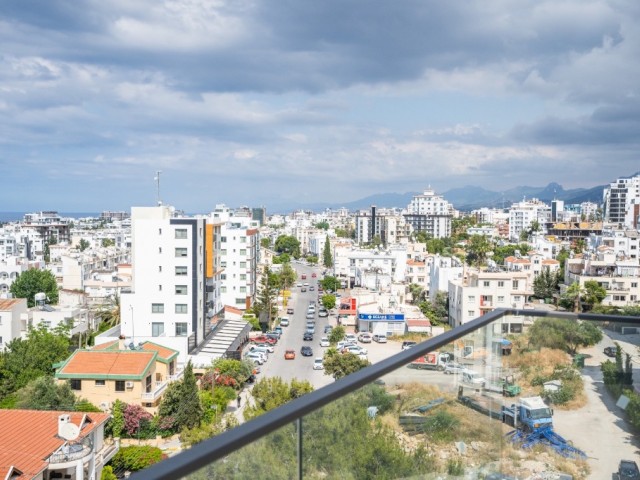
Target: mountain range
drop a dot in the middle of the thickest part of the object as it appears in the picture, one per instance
(474, 197)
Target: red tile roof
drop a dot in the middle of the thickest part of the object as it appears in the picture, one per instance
(106, 346)
(8, 304)
(164, 353)
(90, 363)
(29, 437)
(418, 322)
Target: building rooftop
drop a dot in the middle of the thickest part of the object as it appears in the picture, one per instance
(107, 364)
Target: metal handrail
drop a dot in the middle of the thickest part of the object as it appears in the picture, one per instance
(217, 447)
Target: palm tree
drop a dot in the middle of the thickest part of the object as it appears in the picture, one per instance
(110, 313)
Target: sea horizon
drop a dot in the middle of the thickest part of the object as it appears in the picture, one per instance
(17, 216)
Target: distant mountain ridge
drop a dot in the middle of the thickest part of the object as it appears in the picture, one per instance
(473, 197)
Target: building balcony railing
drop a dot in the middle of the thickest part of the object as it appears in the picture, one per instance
(72, 451)
(403, 417)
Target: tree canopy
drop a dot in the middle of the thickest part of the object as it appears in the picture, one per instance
(563, 334)
(330, 283)
(339, 365)
(35, 281)
(545, 285)
(272, 392)
(288, 244)
(327, 258)
(43, 393)
(477, 249)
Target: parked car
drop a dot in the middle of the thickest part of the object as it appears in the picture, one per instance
(278, 330)
(610, 351)
(628, 470)
(289, 354)
(380, 338)
(273, 335)
(356, 349)
(406, 345)
(266, 347)
(328, 328)
(310, 315)
(290, 311)
(284, 322)
(324, 342)
(313, 275)
(351, 337)
(256, 357)
(364, 337)
(317, 363)
(323, 314)
(303, 289)
(311, 328)
(307, 336)
(452, 368)
(341, 345)
(306, 351)
(264, 338)
(312, 288)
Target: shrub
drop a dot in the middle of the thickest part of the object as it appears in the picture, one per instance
(134, 458)
(441, 426)
(107, 473)
(134, 416)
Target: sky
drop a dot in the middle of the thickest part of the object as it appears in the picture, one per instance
(294, 102)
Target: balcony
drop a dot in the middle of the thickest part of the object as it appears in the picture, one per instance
(70, 452)
(161, 387)
(423, 423)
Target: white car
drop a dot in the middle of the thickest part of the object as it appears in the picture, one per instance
(284, 322)
(350, 337)
(256, 357)
(324, 342)
(266, 349)
(364, 337)
(359, 349)
(380, 338)
(317, 363)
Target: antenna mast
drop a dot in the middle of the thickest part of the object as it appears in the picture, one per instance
(157, 179)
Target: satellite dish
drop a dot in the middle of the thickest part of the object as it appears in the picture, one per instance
(69, 431)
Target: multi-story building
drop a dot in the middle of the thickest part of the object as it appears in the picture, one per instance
(10, 269)
(11, 327)
(49, 226)
(239, 258)
(430, 213)
(170, 298)
(443, 270)
(481, 291)
(386, 224)
(523, 214)
(622, 202)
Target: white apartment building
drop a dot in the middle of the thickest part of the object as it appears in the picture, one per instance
(620, 276)
(239, 257)
(430, 213)
(523, 214)
(622, 202)
(387, 224)
(10, 269)
(173, 265)
(8, 246)
(11, 311)
(317, 242)
(493, 216)
(443, 270)
(481, 291)
(624, 243)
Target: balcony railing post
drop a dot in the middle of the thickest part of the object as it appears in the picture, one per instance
(299, 453)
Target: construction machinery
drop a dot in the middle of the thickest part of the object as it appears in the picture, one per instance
(533, 423)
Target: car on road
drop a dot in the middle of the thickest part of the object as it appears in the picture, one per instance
(306, 351)
(256, 357)
(305, 284)
(284, 322)
(317, 363)
(278, 330)
(313, 275)
(311, 316)
(406, 345)
(610, 351)
(289, 354)
(311, 328)
(307, 337)
(264, 338)
(303, 276)
(453, 368)
(328, 328)
(364, 337)
(303, 289)
(324, 342)
(312, 288)
(628, 470)
(380, 338)
(298, 285)
(290, 311)
(266, 350)
(323, 314)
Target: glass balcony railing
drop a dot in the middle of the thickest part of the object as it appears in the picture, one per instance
(475, 402)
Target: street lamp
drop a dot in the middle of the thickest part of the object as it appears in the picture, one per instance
(133, 331)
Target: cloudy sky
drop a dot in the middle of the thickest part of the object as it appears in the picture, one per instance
(290, 102)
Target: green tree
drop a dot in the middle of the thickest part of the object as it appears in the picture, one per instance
(267, 295)
(563, 334)
(108, 242)
(437, 312)
(330, 284)
(345, 233)
(545, 285)
(327, 258)
(571, 299)
(477, 249)
(328, 301)
(500, 253)
(109, 313)
(136, 457)
(43, 393)
(288, 244)
(336, 334)
(272, 392)
(594, 293)
(417, 293)
(239, 370)
(83, 245)
(35, 281)
(189, 412)
(438, 245)
(323, 225)
(265, 242)
(26, 359)
(562, 257)
(282, 258)
(339, 365)
(288, 276)
(116, 424)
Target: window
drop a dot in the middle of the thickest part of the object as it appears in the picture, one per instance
(500, 284)
(181, 233)
(223, 251)
(159, 231)
(486, 283)
(76, 384)
(243, 264)
(243, 276)
(181, 329)
(157, 329)
(223, 239)
(181, 308)
(633, 285)
(159, 249)
(181, 289)
(241, 301)
(514, 284)
(243, 251)
(181, 252)
(472, 298)
(181, 270)
(223, 289)
(471, 313)
(100, 383)
(159, 268)
(243, 239)
(147, 387)
(159, 288)
(516, 298)
(243, 289)
(119, 385)
(157, 308)
(500, 299)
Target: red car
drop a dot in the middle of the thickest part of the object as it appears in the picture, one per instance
(264, 339)
(313, 275)
(303, 276)
(289, 354)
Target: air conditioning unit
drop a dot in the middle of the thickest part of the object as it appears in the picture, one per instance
(129, 384)
(105, 406)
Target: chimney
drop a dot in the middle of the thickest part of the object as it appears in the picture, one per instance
(63, 420)
(121, 342)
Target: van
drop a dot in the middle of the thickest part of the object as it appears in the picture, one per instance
(473, 378)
